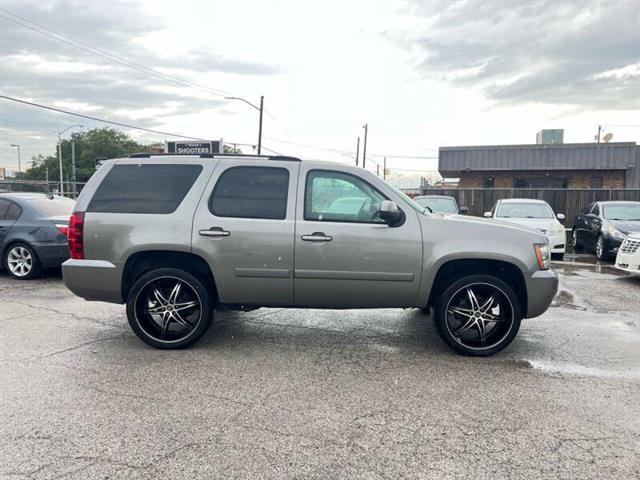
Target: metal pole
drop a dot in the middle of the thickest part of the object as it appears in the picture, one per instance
(260, 127)
(599, 130)
(60, 161)
(384, 169)
(357, 151)
(378, 170)
(73, 166)
(364, 149)
(19, 168)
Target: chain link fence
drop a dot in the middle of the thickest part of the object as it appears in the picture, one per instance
(69, 189)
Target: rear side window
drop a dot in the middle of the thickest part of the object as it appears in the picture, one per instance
(251, 192)
(4, 206)
(13, 212)
(156, 189)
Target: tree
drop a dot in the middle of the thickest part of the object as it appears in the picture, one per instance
(89, 146)
(231, 149)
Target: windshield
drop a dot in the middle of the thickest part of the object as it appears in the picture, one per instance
(437, 204)
(57, 207)
(622, 211)
(412, 203)
(524, 210)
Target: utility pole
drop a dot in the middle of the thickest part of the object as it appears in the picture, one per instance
(378, 170)
(364, 149)
(60, 162)
(384, 169)
(73, 165)
(357, 151)
(599, 130)
(260, 127)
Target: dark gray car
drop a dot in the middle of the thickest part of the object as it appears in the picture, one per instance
(175, 237)
(33, 232)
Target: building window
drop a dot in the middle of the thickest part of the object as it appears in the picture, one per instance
(596, 182)
(521, 183)
(489, 182)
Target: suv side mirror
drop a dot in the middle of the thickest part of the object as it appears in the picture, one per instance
(390, 213)
(487, 214)
(464, 210)
(560, 216)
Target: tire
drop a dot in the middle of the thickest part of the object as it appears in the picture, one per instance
(575, 241)
(169, 308)
(601, 252)
(21, 262)
(557, 256)
(461, 318)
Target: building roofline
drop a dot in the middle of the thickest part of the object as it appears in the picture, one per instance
(538, 145)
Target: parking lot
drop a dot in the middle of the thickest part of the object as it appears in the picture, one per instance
(321, 394)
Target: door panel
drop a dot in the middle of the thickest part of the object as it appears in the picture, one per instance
(357, 263)
(251, 258)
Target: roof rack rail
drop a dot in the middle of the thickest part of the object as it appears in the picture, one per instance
(211, 155)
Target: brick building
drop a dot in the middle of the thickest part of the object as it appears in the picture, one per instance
(569, 165)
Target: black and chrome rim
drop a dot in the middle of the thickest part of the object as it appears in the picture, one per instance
(168, 309)
(19, 261)
(479, 316)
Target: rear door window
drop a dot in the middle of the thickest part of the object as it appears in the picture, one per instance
(13, 212)
(4, 206)
(154, 189)
(251, 192)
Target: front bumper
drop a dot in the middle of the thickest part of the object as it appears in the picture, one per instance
(628, 262)
(557, 243)
(542, 287)
(93, 279)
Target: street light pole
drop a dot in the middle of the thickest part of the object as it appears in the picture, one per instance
(60, 153)
(259, 109)
(364, 149)
(357, 151)
(15, 145)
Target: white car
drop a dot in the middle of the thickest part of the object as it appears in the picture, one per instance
(536, 214)
(628, 258)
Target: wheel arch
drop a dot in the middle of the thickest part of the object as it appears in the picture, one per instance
(452, 270)
(142, 262)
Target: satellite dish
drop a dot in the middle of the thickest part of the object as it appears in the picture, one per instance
(607, 138)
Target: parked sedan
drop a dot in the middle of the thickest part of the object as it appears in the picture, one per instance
(442, 204)
(33, 232)
(536, 214)
(602, 226)
(628, 258)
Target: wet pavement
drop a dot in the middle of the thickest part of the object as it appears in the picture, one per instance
(321, 394)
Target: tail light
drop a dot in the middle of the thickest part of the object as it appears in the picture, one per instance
(64, 229)
(75, 234)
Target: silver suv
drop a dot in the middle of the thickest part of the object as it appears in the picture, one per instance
(175, 237)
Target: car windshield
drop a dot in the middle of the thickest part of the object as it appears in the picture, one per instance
(621, 211)
(56, 207)
(437, 204)
(524, 210)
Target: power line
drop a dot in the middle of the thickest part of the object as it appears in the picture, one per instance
(88, 117)
(87, 47)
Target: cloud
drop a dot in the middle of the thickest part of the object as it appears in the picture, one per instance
(538, 51)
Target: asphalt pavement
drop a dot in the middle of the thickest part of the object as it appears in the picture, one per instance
(321, 394)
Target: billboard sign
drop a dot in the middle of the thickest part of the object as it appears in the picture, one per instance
(193, 148)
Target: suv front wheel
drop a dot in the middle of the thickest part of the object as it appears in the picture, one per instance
(478, 315)
(169, 308)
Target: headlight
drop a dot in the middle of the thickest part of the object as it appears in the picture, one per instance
(542, 254)
(557, 229)
(614, 232)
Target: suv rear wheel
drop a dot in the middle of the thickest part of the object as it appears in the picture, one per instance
(478, 315)
(169, 308)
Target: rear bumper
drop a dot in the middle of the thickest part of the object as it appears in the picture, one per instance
(93, 279)
(542, 287)
(51, 255)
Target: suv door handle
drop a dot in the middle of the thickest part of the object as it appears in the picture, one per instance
(317, 237)
(214, 232)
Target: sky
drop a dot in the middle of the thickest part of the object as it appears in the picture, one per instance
(421, 74)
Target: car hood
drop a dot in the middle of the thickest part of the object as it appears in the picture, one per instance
(625, 226)
(543, 224)
(473, 222)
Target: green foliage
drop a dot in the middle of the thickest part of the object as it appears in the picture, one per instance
(89, 146)
(231, 149)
